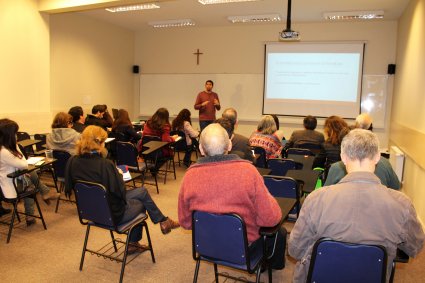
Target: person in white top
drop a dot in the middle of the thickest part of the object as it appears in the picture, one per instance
(11, 160)
(183, 123)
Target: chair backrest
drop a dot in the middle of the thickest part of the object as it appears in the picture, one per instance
(59, 165)
(93, 204)
(300, 151)
(279, 167)
(219, 237)
(261, 160)
(20, 136)
(334, 261)
(42, 138)
(285, 187)
(126, 154)
(314, 147)
(180, 145)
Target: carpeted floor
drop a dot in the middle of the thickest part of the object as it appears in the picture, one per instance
(53, 255)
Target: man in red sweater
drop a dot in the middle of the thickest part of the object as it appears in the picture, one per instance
(224, 183)
(207, 103)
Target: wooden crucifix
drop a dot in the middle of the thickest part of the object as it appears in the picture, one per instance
(197, 53)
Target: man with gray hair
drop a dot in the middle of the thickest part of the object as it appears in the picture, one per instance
(383, 168)
(239, 142)
(359, 209)
(224, 183)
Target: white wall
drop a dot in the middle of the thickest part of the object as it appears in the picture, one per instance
(240, 49)
(408, 116)
(91, 63)
(25, 64)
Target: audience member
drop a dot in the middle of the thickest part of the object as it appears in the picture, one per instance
(183, 123)
(383, 169)
(307, 136)
(359, 209)
(223, 183)
(89, 165)
(78, 118)
(228, 126)
(265, 137)
(159, 126)
(11, 160)
(122, 126)
(207, 103)
(239, 143)
(335, 129)
(63, 137)
(278, 133)
(100, 117)
(364, 121)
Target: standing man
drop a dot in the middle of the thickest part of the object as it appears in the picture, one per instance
(359, 209)
(207, 103)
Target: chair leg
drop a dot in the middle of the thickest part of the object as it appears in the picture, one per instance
(59, 198)
(14, 213)
(392, 273)
(269, 269)
(215, 273)
(85, 247)
(113, 240)
(124, 260)
(174, 170)
(195, 276)
(149, 240)
(257, 280)
(167, 165)
(39, 212)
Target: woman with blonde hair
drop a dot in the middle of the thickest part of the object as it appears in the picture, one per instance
(266, 136)
(89, 165)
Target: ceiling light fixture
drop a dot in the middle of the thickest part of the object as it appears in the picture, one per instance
(354, 15)
(209, 2)
(254, 18)
(172, 23)
(146, 6)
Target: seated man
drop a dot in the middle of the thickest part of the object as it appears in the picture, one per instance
(239, 142)
(224, 183)
(99, 117)
(78, 119)
(308, 135)
(359, 209)
(228, 126)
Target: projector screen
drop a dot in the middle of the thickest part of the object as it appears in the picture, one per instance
(319, 79)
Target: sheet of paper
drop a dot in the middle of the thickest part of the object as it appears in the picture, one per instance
(34, 159)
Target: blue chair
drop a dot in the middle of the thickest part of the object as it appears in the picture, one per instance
(126, 154)
(94, 210)
(334, 261)
(261, 160)
(222, 240)
(285, 187)
(59, 167)
(279, 166)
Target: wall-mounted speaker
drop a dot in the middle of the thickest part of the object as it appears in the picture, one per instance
(391, 69)
(135, 69)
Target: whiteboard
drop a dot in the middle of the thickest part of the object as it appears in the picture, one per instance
(244, 92)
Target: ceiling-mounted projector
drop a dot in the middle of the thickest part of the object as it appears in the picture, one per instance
(289, 35)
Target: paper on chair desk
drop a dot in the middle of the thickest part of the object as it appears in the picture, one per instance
(178, 138)
(33, 160)
(109, 140)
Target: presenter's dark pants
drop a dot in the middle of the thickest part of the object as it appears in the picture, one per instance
(278, 259)
(204, 124)
(138, 201)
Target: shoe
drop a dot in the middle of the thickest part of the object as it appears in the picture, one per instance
(30, 220)
(4, 211)
(50, 196)
(136, 248)
(168, 225)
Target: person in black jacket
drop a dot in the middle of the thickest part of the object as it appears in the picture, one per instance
(100, 117)
(89, 165)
